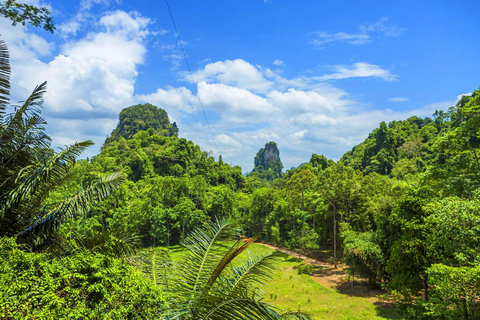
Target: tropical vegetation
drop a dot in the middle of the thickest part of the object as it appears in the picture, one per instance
(91, 238)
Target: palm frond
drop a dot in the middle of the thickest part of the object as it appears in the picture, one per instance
(155, 264)
(205, 249)
(249, 275)
(13, 123)
(76, 205)
(43, 179)
(114, 242)
(4, 78)
(247, 309)
(236, 249)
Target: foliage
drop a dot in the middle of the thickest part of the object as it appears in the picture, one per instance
(406, 200)
(364, 256)
(79, 286)
(453, 235)
(455, 292)
(409, 260)
(23, 13)
(143, 117)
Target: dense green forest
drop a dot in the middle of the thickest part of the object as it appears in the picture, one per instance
(85, 238)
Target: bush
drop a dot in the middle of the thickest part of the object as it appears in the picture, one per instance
(305, 269)
(80, 286)
(364, 256)
(455, 292)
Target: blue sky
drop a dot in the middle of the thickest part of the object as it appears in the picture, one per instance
(314, 76)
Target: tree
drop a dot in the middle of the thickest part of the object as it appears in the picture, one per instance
(462, 143)
(298, 184)
(453, 245)
(319, 162)
(23, 13)
(335, 185)
(409, 258)
(212, 282)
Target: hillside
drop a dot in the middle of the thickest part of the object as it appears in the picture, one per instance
(142, 117)
(439, 151)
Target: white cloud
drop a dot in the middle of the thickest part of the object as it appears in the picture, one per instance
(226, 141)
(172, 100)
(324, 38)
(363, 36)
(382, 27)
(235, 104)
(83, 17)
(359, 70)
(89, 81)
(398, 99)
(278, 62)
(69, 28)
(238, 73)
(129, 25)
(299, 134)
(294, 101)
(92, 78)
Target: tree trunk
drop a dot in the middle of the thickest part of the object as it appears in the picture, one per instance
(334, 237)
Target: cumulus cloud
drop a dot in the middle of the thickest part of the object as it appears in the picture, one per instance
(295, 101)
(238, 73)
(382, 27)
(226, 141)
(90, 80)
(172, 100)
(235, 104)
(82, 18)
(129, 25)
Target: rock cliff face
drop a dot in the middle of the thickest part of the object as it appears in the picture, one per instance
(267, 162)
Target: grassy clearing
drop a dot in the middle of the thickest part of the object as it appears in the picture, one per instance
(290, 290)
(299, 292)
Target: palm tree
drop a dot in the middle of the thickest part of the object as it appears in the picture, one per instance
(30, 170)
(210, 283)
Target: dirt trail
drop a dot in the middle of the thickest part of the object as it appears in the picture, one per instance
(294, 254)
(326, 274)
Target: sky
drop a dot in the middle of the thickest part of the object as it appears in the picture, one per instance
(313, 76)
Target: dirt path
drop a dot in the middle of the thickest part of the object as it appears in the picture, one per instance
(304, 258)
(325, 273)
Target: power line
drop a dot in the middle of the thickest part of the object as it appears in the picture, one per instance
(191, 75)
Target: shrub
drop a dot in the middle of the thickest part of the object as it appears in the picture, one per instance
(80, 286)
(363, 256)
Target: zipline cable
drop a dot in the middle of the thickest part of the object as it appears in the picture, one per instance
(191, 75)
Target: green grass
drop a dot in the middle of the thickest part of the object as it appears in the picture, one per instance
(290, 290)
(299, 292)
